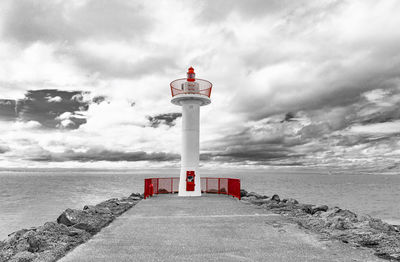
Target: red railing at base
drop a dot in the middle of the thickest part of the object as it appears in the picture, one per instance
(212, 185)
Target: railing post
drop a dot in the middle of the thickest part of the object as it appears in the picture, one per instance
(206, 184)
(172, 187)
(219, 185)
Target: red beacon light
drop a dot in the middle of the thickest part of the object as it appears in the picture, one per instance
(191, 75)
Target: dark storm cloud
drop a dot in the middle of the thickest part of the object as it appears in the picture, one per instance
(29, 21)
(165, 119)
(105, 155)
(261, 144)
(7, 110)
(47, 105)
(301, 136)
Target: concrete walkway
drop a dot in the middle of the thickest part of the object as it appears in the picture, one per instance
(208, 228)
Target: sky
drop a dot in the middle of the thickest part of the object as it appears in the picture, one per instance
(295, 83)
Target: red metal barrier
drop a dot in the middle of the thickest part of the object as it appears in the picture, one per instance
(212, 185)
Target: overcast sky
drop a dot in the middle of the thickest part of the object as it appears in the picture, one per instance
(296, 83)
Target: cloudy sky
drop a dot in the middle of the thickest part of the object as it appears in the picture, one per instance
(296, 83)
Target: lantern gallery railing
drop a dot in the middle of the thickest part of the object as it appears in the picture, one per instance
(212, 185)
(198, 87)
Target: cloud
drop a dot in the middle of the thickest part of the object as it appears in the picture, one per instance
(55, 99)
(294, 82)
(52, 108)
(166, 119)
(7, 109)
(30, 21)
(101, 154)
(4, 149)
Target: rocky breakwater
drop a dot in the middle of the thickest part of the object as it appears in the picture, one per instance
(73, 227)
(335, 223)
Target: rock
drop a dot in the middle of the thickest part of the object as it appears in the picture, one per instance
(292, 201)
(134, 198)
(258, 196)
(90, 220)
(23, 256)
(117, 207)
(275, 198)
(31, 245)
(322, 208)
(34, 243)
(338, 224)
(249, 198)
(306, 208)
(243, 193)
(259, 202)
(377, 224)
(136, 195)
(69, 217)
(51, 241)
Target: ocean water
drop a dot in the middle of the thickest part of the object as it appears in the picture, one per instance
(31, 197)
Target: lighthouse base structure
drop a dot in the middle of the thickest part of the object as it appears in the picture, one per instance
(182, 183)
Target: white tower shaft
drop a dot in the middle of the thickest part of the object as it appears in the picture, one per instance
(190, 146)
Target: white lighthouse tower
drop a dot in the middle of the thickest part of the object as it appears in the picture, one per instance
(190, 93)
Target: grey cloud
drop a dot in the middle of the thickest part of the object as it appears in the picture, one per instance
(37, 107)
(29, 21)
(302, 137)
(166, 119)
(101, 154)
(4, 149)
(99, 99)
(8, 110)
(219, 10)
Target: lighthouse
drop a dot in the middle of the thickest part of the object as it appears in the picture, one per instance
(190, 93)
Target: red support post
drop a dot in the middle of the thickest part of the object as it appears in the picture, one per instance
(158, 180)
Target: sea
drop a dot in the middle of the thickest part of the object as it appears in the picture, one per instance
(30, 197)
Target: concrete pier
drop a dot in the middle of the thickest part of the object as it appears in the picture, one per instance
(208, 228)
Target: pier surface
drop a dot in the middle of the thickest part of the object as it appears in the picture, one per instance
(208, 228)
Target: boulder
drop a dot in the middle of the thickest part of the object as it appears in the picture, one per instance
(253, 194)
(292, 201)
(116, 206)
(275, 198)
(136, 195)
(52, 239)
(243, 193)
(248, 198)
(322, 208)
(306, 208)
(89, 220)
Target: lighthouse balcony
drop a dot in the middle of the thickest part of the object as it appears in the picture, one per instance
(198, 87)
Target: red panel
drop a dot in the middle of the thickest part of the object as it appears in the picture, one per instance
(190, 180)
(223, 185)
(229, 186)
